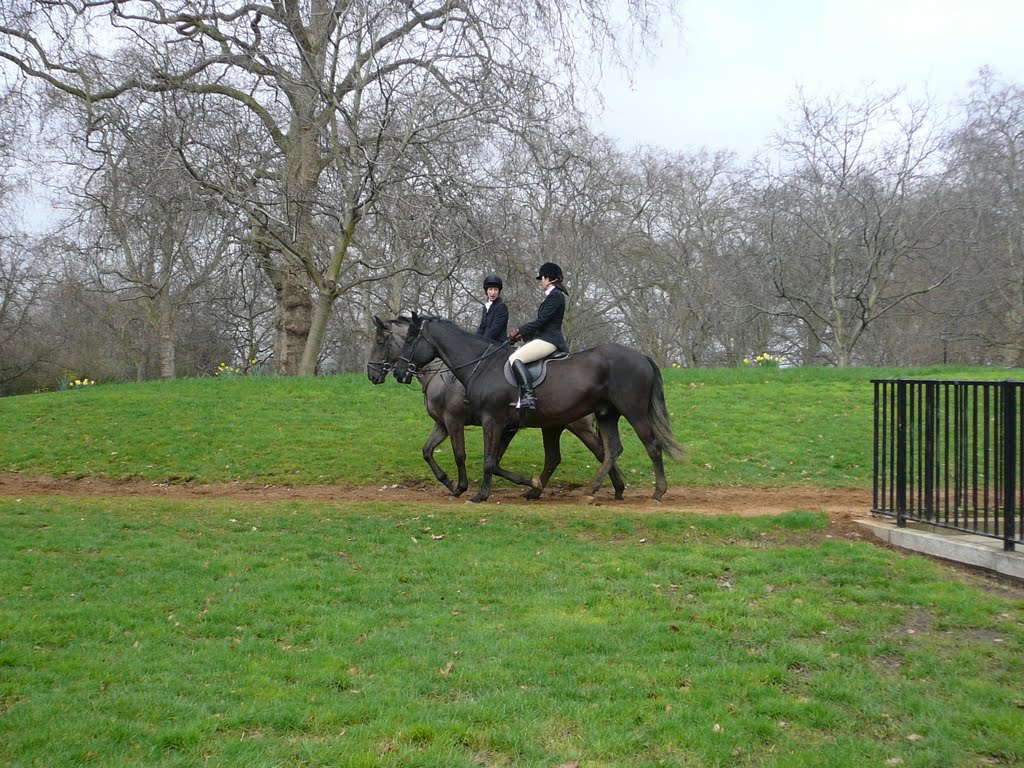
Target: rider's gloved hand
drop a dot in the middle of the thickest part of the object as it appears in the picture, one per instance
(514, 337)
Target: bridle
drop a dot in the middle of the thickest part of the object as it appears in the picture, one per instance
(383, 365)
(407, 359)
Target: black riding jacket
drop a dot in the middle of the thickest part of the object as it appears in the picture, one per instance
(548, 325)
(494, 321)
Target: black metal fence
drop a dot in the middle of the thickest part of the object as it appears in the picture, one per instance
(948, 453)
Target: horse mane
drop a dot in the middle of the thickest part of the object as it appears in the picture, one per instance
(455, 326)
(473, 344)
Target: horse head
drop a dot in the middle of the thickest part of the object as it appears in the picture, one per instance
(388, 338)
(417, 351)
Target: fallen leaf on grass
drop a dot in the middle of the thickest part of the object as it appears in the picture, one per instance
(447, 668)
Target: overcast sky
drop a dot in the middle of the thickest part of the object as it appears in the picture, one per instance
(725, 80)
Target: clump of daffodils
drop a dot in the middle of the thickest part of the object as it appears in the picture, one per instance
(764, 360)
(224, 370)
(71, 380)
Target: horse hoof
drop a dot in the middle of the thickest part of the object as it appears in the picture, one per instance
(477, 499)
(532, 494)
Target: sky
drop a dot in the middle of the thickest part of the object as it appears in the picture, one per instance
(727, 78)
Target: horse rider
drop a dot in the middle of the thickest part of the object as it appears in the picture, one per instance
(543, 335)
(494, 320)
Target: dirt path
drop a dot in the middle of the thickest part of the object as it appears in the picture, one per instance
(842, 504)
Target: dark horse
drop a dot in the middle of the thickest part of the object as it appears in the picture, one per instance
(445, 400)
(609, 380)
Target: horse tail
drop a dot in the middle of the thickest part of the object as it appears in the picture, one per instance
(658, 413)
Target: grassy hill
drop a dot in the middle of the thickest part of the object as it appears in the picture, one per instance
(140, 631)
(742, 426)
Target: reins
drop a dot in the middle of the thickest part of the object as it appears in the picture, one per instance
(491, 350)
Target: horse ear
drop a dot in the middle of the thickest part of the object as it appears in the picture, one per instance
(379, 323)
(415, 318)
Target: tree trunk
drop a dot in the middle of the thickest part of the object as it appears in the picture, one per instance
(315, 338)
(293, 307)
(293, 310)
(325, 301)
(165, 314)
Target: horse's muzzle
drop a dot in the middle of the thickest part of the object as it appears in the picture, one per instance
(377, 372)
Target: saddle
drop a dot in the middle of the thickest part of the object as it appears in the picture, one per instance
(538, 369)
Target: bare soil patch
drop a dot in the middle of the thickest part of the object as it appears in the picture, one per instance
(842, 504)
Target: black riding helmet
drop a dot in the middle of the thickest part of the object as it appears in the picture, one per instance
(551, 271)
(493, 281)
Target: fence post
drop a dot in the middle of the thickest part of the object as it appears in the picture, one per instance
(901, 453)
(930, 416)
(1009, 464)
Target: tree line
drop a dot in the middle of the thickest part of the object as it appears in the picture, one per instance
(244, 187)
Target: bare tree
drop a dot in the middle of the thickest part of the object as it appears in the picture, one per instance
(677, 280)
(340, 92)
(843, 238)
(987, 167)
(22, 345)
(152, 235)
(241, 304)
(22, 279)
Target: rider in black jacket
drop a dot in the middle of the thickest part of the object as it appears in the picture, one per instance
(494, 320)
(543, 335)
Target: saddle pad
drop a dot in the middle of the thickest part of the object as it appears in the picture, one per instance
(538, 369)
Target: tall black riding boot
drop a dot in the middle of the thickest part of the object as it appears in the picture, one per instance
(526, 399)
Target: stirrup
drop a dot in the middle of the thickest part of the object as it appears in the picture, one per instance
(526, 403)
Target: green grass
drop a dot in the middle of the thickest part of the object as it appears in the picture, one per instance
(140, 632)
(740, 426)
(151, 632)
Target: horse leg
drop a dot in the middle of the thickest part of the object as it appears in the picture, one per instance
(582, 429)
(457, 433)
(437, 436)
(552, 458)
(512, 477)
(608, 424)
(492, 429)
(645, 432)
